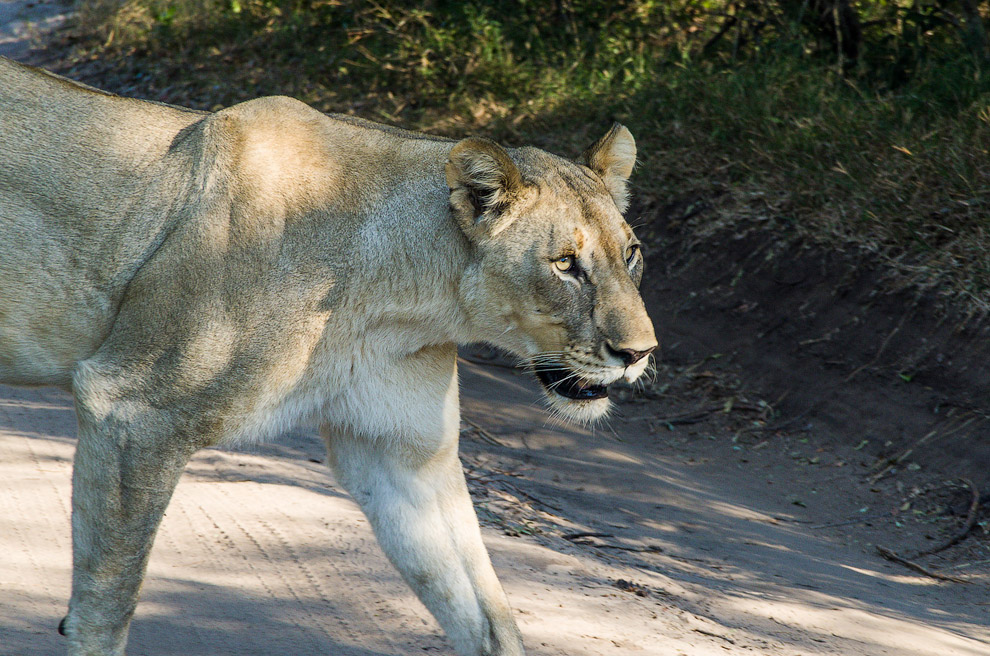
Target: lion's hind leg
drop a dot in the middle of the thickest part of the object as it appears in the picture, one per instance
(128, 460)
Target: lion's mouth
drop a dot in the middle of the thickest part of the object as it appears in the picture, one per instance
(570, 385)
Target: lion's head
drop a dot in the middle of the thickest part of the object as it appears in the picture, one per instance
(556, 270)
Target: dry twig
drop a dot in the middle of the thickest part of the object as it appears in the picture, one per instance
(482, 433)
(862, 519)
(696, 416)
(974, 508)
(586, 534)
(582, 539)
(883, 347)
(890, 555)
(894, 462)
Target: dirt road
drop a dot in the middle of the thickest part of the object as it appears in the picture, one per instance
(260, 552)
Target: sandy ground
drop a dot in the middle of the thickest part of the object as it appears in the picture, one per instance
(261, 553)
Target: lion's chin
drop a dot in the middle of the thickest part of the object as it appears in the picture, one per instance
(583, 412)
(573, 396)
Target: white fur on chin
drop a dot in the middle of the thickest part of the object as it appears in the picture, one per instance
(583, 412)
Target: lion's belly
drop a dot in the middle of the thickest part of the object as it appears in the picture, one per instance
(51, 314)
(44, 333)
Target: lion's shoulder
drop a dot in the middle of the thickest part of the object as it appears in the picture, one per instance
(278, 154)
(269, 155)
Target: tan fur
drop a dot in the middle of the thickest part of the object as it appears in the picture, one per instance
(612, 157)
(196, 278)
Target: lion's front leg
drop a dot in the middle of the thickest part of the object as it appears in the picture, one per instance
(425, 523)
(412, 489)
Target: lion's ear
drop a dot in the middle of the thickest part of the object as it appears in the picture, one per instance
(612, 157)
(483, 184)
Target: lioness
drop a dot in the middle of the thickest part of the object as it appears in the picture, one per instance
(196, 278)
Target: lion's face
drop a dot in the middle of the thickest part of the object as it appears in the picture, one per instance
(556, 269)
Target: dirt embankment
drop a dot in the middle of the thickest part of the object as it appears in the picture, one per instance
(832, 340)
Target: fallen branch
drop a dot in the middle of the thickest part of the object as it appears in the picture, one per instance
(540, 502)
(883, 347)
(482, 433)
(650, 548)
(974, 508)
(715, 635)
(687, 417)
(890, 555)
(701, 414)
(582, 539)
(858, 520)
(586, 534)
(896, 461)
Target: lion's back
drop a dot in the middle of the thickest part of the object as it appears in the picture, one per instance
(98, 193)
(74, 161)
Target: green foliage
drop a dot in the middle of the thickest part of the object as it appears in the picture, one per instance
(866, 121)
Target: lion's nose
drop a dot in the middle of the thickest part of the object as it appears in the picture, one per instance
(627, 355)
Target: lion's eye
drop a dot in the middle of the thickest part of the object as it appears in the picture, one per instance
(631, 253)
(565, 264)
